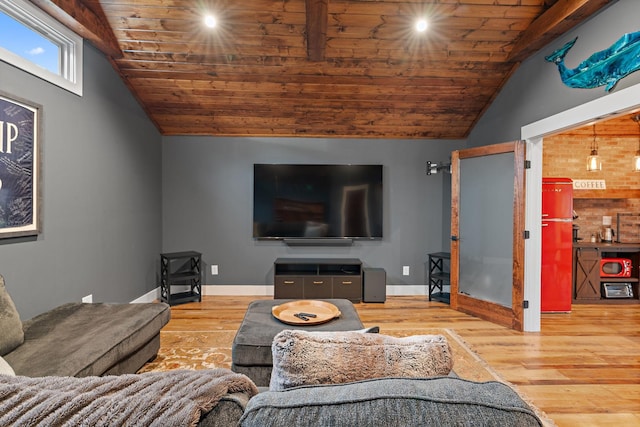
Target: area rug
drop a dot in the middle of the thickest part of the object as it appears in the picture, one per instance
(192, 350)
(209, 350)
(212, 349)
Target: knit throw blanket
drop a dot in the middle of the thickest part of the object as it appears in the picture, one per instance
(173, 398)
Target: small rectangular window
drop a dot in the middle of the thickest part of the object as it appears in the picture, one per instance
(29, 44)
(38, 44)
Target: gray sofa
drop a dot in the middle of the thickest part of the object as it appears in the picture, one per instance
(351, 378)
(79, 339)
(401, 402)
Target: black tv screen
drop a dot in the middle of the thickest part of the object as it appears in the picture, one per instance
(317, 201)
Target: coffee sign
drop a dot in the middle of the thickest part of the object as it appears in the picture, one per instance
(589, 184)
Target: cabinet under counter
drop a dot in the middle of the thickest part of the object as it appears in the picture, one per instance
(588, 283)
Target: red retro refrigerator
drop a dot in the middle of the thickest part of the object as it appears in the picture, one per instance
(557, 245)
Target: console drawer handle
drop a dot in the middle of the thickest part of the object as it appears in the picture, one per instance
(347, 283)
(289, 282)
(318, 282)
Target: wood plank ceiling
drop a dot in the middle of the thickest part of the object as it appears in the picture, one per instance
(321, 68)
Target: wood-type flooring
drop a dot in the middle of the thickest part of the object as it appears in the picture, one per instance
(582, 369)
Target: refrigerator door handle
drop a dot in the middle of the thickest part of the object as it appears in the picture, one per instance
(545, 224)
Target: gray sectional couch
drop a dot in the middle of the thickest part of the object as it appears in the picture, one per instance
(78, 339)
(351, 378)
(89, 340)
(401, 402)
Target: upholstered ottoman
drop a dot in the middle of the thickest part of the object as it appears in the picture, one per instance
(251, 349)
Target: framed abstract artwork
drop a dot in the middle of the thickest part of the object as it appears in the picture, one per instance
(20, 157)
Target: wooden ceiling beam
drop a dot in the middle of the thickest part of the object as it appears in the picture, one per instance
(558, 19)
(76, 16)
(317, 12)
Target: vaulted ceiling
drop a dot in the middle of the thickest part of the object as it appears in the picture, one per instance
(325, 68)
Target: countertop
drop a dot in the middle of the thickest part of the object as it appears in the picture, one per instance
(631, 247)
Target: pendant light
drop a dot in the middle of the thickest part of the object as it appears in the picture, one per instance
(636, 158)
(593, 161)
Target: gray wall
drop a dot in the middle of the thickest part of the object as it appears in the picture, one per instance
(535, 91)
(101, 194)
(208, 197)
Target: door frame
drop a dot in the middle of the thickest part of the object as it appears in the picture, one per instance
(511, 317)
(620, 102)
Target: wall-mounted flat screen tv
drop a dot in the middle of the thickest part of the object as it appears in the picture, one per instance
(317, 201)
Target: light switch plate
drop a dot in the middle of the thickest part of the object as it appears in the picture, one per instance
(405, 270)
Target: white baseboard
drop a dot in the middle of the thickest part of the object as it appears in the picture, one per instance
(406, 290)
(150, 296)
(267, 290)
(257, 290)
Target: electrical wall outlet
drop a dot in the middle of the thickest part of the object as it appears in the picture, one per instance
(214, 270)
(88, 298)
(405, 270)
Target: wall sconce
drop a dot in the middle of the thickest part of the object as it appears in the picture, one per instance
(593, 160)
(435, 167)
(636, 158)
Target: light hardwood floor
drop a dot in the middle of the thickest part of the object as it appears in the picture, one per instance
(582, 369)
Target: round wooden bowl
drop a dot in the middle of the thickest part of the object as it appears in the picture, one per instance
(323, 310)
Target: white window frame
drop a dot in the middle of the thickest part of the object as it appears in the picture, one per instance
(70, 44)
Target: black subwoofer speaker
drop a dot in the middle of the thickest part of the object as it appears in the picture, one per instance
(374, 282)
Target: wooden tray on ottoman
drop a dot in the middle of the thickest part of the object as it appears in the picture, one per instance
(323, 311)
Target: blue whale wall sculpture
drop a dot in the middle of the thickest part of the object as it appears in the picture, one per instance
(604, 68)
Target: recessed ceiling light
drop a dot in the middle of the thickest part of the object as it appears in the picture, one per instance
(422, 25)
(210, 21)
